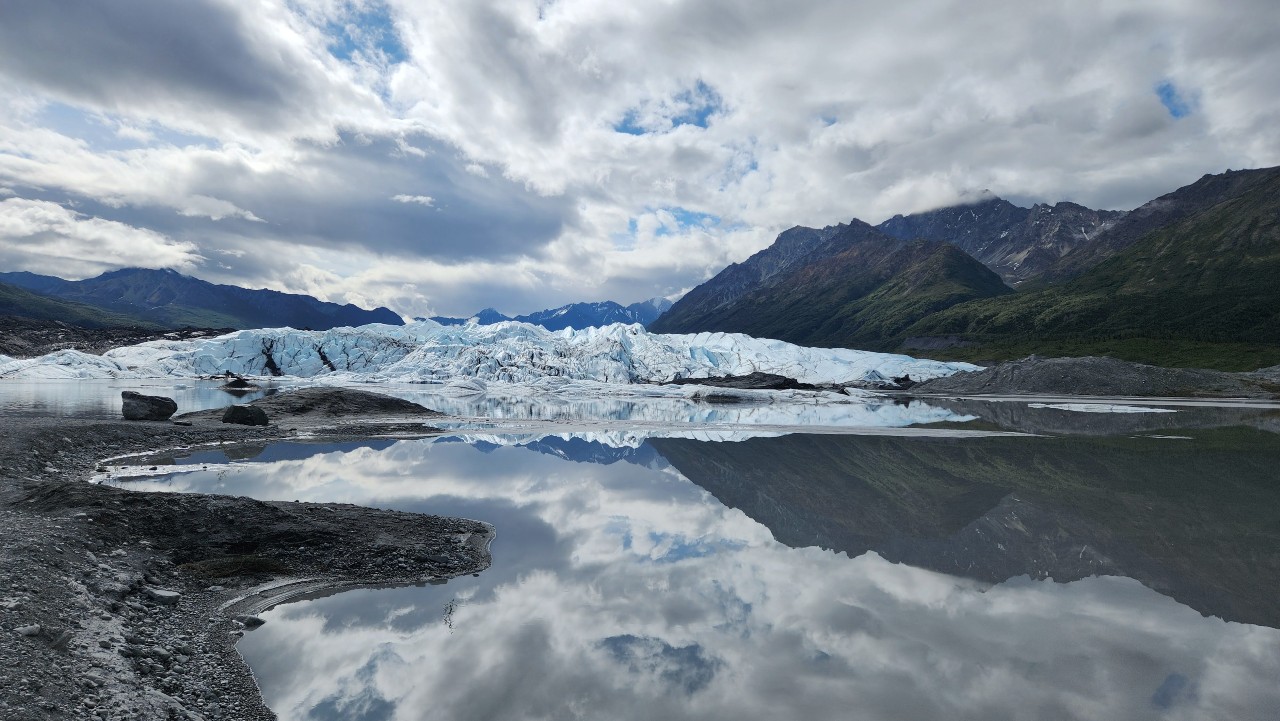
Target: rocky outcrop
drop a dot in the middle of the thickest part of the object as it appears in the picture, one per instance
(245, 416)
(137, 407)
(753, 381)
(1018, 243)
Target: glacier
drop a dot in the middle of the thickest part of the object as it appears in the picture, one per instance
(470, 357)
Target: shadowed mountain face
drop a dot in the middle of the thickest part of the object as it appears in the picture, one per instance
(170, 299)
(853, 286)
(1018, 243)
(20, 302)
(1195, 521)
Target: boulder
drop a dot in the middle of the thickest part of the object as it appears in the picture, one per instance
(162, 596)
(137, 407)
(245, 415)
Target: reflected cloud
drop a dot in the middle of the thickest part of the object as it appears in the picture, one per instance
(624, 591)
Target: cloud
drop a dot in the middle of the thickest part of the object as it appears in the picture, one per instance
(551, 135)
(426, 200)
(47, 238)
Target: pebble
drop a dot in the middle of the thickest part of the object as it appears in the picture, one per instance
(31, 630)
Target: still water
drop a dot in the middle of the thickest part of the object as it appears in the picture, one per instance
(1119, 565)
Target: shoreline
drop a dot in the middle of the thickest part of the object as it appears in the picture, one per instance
(123, 604)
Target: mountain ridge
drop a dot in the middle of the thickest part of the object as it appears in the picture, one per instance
(170, 299)
(1195, 287)
(573, 315)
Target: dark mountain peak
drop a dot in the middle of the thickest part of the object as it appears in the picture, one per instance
(794, 248)
(1016, 242)
(168, 298)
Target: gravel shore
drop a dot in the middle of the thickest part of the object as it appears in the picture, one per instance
(118, 604)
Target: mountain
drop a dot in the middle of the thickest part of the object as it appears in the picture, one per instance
(168, 298)
(1185, 202)
(1188, 279)
(701, 308)
(594, 315)
(573, 315)
(1018, 243)
(850, 285)
(1202, 290)
(488, 316)
(20, 302)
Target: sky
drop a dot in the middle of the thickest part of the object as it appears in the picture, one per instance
(440, 157)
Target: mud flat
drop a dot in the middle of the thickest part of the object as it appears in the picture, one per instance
(119, 604)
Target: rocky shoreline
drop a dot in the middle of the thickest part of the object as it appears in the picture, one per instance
(119, 604)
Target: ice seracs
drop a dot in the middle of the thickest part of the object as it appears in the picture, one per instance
(510, 353)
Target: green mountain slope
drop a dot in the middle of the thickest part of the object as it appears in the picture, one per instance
(865, 295)
(1203, 291)
(15, 301)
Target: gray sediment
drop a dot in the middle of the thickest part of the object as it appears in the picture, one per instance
(120, 604)
(1091, 376)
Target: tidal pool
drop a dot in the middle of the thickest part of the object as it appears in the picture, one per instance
(1101, 574)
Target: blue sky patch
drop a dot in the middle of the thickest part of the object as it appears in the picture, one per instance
(1174, 100)
(368, 31)
(630, 124)
(694, 106)
(702, 102)
(687, 218)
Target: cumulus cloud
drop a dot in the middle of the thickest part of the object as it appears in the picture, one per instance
(47, 238)
(552, 136)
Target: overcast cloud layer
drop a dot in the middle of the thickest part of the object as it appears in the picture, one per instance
(440, 157)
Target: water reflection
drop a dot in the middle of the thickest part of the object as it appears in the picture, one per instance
(101, 398)
(620, 589)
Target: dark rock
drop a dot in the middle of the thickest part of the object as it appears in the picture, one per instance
(137, 407)
(753, 381)
(245, 416)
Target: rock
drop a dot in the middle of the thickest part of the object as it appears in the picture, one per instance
(162, 596)
(245, 416)
(32, 630)
(137, 407)
(250, 621)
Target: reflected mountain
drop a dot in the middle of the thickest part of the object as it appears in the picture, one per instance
(581, 450)
(1194, 521)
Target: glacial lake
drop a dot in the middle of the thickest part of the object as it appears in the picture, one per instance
(913, 559)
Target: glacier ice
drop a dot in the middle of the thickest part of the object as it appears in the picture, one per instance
(471, 356)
